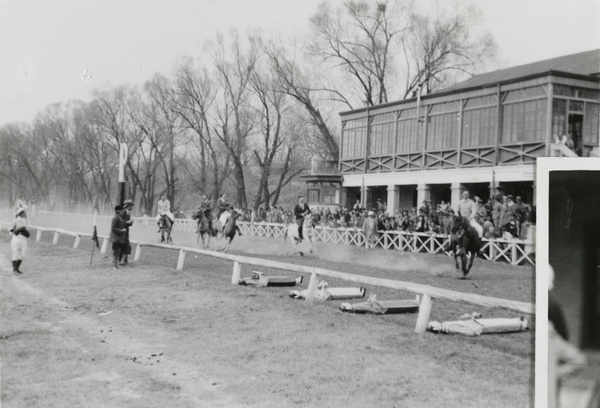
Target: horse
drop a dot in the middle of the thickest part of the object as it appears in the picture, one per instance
(230, 228)
(220, 221)
(464, 243)
(308, 232)
(205, 228)
(165, 225)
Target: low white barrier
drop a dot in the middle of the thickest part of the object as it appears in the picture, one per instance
(513, 251)
(427, 292)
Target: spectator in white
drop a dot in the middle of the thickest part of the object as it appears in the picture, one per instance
(18, 243)
(369, 228)
(468, 209)
(164, 207)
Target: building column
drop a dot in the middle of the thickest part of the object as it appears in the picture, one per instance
(393, 198)
(368, 198)
(423, 193)
(457, 190)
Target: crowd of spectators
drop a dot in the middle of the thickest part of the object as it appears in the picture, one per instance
(504, 216)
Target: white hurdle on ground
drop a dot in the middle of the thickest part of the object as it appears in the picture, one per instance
(428, 293)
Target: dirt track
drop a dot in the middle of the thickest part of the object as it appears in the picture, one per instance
(149, 336)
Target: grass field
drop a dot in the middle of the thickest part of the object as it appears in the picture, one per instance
(146, 335)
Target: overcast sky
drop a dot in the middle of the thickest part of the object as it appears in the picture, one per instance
(46, 46)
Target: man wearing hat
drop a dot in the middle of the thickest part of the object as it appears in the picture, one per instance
(468, 209)
(126, 215)
(300, 211)
(369, 228)
(18, 243)
(118, 231)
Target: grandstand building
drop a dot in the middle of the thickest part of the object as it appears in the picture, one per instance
(483, 134)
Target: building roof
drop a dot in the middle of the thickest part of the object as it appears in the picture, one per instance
(583, 63)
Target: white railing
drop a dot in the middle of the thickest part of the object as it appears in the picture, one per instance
(425, 291)
(513, 251)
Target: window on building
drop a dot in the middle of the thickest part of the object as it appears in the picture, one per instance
(382, 139)
(354, 138)
(479, 127)
(559, 118)
(313, 196)
(408, 136)
(590, 124)
(524, 121)
(442, 131)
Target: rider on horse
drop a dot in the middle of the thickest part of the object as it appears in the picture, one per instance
(164, 208)
(222, 204)
(205, 210)
(300, 211)
(467, 208)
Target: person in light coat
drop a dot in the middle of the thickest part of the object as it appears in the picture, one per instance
(18, 243)
(369, 228)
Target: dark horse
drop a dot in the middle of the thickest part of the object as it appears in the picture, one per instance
(464, 244)
(230, 229)
(165, 224)
(205, 227)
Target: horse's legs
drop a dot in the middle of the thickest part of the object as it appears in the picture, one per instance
(471, 260)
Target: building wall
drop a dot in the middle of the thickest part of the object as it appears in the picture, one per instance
(496, 126)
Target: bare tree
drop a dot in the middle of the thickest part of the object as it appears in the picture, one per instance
(445, 45)
(234, 119)
(196, 100)
(294, 83)
(359, 37)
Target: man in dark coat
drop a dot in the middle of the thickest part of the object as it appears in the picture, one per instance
(117, 235)
(126, 215)
(300, 211)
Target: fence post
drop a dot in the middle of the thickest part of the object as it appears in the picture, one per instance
(513, 253)
(104, 246)
(38, 235)
(77, 241)
(181, 260)
(237, 271)
(138, 252)
(55, 240)
(424, 312)
(312, 287)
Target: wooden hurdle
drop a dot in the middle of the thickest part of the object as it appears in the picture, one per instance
(427, 293)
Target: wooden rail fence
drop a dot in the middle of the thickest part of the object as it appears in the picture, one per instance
(425, 291)
(513, 251)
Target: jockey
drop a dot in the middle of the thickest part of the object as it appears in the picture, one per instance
(164, 208)
(468, 209)
(222, 205)
(300, 211)
(206, 210)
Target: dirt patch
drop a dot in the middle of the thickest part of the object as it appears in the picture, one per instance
(149, 336)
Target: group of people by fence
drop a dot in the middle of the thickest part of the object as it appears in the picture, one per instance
(502, 216)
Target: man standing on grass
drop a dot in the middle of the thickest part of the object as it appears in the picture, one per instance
(126, 250)
(117, 235)
(300, 211)
(18, 243)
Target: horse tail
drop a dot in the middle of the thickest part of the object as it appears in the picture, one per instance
(285, 234)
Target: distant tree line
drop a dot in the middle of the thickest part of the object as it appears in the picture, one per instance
(246, 114)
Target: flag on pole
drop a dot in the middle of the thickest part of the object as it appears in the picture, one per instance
(95, 237)
(95, 233)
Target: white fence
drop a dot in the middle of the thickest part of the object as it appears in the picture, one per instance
(427, 292)
(513, 251)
